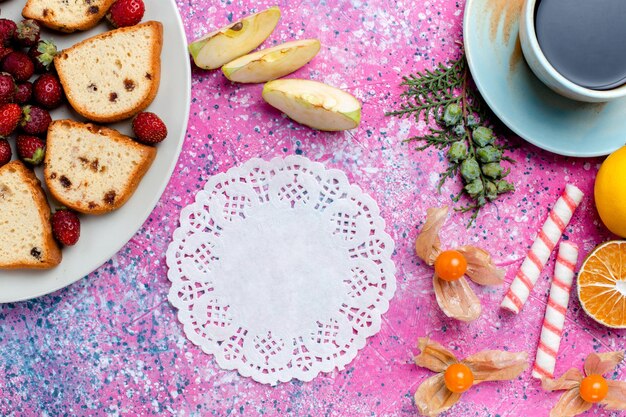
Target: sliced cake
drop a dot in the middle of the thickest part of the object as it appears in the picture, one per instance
(27, 240)
(93, 169)
(67, 15)
(114, 75)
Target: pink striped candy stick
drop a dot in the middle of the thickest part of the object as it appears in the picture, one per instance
(554, 319)
(543, 245)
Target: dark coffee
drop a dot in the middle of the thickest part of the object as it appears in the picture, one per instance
(584, 40)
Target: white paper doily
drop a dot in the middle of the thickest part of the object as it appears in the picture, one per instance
(281, 269)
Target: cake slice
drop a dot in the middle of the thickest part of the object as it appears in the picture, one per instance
(93, 169)
(114, 75)
(67, 16)
(27, 240)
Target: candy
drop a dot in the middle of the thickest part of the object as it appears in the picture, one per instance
(540, 251)
(552, 329)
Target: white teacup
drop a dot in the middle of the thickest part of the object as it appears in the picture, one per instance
(539, 64)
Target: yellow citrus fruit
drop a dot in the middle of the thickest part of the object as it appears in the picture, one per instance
(610, 192)
(602, 284)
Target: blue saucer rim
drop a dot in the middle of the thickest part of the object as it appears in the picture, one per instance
(501, 114)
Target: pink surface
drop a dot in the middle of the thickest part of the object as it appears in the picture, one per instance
(110, 344)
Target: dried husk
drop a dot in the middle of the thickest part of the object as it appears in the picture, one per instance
(496, 365)
(616, 398)
(456, 299)
(433, 356)
(480, 267)
(602, 363)
(570, 379)
(432, 397)
(570, 404)
(428, 244)
(615, 357)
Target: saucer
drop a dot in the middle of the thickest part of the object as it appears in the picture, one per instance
(521, 101)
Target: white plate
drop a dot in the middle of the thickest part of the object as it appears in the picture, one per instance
(103, 236)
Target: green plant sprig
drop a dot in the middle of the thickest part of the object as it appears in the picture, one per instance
(457, 122)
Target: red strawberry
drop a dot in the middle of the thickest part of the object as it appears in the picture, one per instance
(10, 115)
(7, 88)
(126, 13)
(24, 92)
(19, 65)
(27, 33)
(7, 30)
(149, 128)
(35, 120)
(30, 149)
(66, 227)
(42, 55)
(5, 152)
(4, 51)
(47, 91)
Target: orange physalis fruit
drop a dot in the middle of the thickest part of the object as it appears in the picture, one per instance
(594, 388)
(602, 284)
(450, 265)
(458, 378)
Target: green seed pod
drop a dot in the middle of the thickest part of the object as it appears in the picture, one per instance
(457, 151)
(488, 154)
(474, 188)
(491, 191)
(493, 170)
(504, 186)
(471, 121)
(459, 130)
(483, 136)
(470, 170)
(452, 114)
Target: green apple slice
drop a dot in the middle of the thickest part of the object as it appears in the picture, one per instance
(314, 104)
(272, 63)
(222, 46)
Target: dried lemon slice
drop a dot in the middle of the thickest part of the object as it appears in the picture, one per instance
(602, 284)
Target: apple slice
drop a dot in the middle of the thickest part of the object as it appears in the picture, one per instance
(222, 46)
(272, 63)
(314, 104)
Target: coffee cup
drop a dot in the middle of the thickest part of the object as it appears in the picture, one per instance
(547, 73)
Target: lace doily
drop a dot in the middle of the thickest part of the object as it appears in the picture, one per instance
(281, 269)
